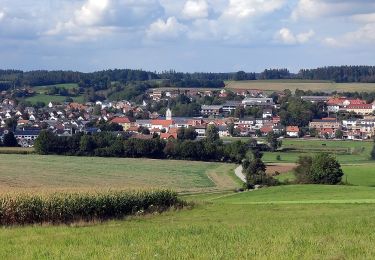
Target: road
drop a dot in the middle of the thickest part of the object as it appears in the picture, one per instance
(239, 174)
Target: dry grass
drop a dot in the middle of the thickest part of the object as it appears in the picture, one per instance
(276, 85)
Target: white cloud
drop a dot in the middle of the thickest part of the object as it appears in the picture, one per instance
(2, 15)
(312, 9)
(100, 17)
(363, 35)
(195, 9)
(364, 18)
(163, 30)
(286, 36)
(249, 8)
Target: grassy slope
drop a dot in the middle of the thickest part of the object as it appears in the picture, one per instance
(51, 172)
(358, 151)
(40, 95)
(279, 85)
(359, 175)
(228, 228)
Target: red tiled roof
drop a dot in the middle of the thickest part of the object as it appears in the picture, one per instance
(120, 120)
(357, 102)
(164, 123)
(292, 129)
(168, 136)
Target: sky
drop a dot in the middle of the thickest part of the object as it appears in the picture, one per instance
(186, 35)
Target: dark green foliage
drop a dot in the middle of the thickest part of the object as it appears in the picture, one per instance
(186, 133)
(108, 144)
(10, 140)
(71, 207)
(373, 152)
(340, 74)
(339, 134)
(273, 142)
(212, 134)
(255, 171)
(323, 168)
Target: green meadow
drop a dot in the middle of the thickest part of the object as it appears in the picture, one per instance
(62, 172)
(41, 96)
(345, 151)
(295, 222)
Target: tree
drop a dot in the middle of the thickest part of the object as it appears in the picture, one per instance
(255, 170)
(339, 134)
(373, 152)
(186, 133)
(45, 143)
(212, 134)
(10, 140)
(11, 124)
(272, 141)
(323, 168)
(86, 144)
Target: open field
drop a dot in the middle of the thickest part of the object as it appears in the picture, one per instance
(62, 172)
(40, 95)
(302, 223)
(280, 85)
(43, 89)
(345, 151)
(47, 98)
(359, 175)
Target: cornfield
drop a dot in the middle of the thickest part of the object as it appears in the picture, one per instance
(56, 208)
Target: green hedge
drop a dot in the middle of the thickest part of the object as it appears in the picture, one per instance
(58, 208)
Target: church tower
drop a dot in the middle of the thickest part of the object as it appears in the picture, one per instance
(168, 114)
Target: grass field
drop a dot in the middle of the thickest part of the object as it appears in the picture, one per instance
(359, 175)
(345, 151)
(280, 85)
(60, 172)
(303, 222)
(43, 89)
(41, 96)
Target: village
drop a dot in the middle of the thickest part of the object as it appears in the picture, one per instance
(68, 118)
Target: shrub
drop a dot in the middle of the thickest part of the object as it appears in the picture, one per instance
(58, 208)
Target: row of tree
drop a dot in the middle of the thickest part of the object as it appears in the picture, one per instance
(108, 144)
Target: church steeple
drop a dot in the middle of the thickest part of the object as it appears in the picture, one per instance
(168, 114)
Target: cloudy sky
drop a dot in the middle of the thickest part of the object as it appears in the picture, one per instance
(186, 35)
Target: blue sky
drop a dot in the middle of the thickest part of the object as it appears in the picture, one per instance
(186, 35)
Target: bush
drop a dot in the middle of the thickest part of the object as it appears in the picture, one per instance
(323, 168)
(70, 207)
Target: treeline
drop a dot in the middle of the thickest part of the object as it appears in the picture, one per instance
(340, 74)
(107, 144)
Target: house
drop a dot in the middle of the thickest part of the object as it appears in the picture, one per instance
(230, 106)
(267, 113)
(325, 123)
(292, 131)
(337, 104)
(201, 130)
(25, 137)
(361, 109)
(125, 122)
(223, 131)
(211, 110)
(316, 99)
(253, 102)
(162, 124)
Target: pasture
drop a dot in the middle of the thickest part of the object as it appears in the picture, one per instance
(345, 151)
(296, 222)
(41, 96)
(280, 85)
(66, 173)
